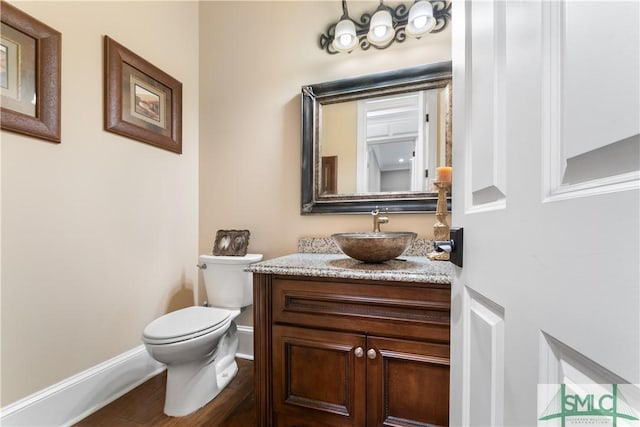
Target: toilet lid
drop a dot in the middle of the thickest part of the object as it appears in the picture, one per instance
(187, 321)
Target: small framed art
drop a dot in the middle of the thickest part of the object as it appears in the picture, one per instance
(231, 242)
(142, 102)
(29, 75)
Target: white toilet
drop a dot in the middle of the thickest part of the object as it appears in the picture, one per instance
(198, 344)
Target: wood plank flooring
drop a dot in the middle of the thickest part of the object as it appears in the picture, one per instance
(142, 406)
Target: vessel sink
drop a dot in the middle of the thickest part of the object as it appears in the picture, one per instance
(374, 247)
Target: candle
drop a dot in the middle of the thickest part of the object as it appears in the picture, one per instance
(443, 174)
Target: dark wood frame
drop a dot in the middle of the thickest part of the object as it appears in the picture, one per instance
(115, 56)
(46, 123)
(237, 242)
(397, 81)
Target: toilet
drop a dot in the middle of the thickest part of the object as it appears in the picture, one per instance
(198, 344)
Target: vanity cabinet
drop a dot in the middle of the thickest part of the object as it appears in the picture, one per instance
(350, 352)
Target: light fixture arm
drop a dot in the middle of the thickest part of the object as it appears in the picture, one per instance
(345, 10)
(381, 6)
(399, 16)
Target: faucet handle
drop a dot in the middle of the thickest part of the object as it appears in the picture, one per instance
(377, 219)
(376, 211)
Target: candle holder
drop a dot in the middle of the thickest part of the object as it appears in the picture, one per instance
(441, 228)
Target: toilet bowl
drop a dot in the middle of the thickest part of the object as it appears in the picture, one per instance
(198, 344)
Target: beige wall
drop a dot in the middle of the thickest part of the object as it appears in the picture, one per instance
(99, 233)
(340, 139)
(254, 57)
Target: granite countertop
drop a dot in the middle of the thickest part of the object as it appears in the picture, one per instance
(403, 269)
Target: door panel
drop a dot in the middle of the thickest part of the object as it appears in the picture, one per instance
(486, 185)
(550, 288)
(592, 137)
(484, 340)
(580, 57)
(319, 374)
(407, 383)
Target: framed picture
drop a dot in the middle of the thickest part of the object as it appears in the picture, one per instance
(141, 101)
(231, 242)
(29, 75)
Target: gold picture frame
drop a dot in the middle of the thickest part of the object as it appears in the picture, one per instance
(141, 101)
(30, 71)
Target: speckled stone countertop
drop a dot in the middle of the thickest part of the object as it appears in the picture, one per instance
(403, 269)
(326, 245)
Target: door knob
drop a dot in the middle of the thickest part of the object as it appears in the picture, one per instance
(359, 352)
(371, 354)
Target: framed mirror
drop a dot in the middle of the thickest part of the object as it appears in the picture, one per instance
(376, 140)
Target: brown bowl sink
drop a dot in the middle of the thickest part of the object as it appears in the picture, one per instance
(374, 247)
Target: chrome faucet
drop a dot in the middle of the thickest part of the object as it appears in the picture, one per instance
(377, 219)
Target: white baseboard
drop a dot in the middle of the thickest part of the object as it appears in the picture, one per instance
(75, 398)
(245, 342)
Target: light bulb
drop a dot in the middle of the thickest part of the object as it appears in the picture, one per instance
(345, 36)
(380, 30)
(420, 22)
(345, 39)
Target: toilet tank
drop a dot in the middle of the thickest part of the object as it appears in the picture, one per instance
(225, 280)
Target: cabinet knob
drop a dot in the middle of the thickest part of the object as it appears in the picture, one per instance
(371, 354)
(359, 352)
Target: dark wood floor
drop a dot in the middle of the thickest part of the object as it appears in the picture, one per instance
(142, 406)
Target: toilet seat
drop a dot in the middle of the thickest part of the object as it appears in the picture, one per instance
(185, 324)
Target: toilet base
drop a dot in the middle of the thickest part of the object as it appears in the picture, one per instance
(192, 385)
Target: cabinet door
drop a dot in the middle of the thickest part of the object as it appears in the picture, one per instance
(407, 383)
(318, 376)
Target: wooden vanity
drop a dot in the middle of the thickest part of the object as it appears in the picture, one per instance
(340, 343)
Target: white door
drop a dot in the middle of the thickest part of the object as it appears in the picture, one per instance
(546, 180)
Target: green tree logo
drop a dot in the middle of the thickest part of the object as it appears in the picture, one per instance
(566, 403)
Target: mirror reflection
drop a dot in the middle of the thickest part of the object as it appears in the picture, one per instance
(376, 140)
(383, 144)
